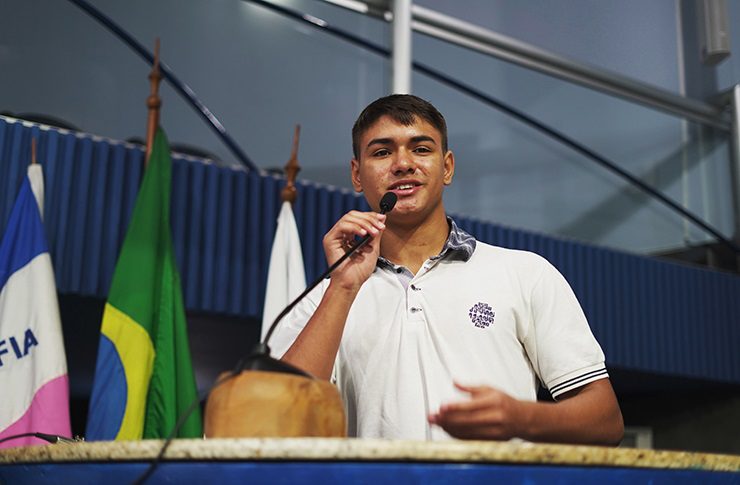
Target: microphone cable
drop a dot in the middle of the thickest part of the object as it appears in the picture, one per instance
(180, 422)
(49, 438)
(387, 202)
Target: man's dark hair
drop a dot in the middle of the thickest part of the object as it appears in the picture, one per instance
(402, 108)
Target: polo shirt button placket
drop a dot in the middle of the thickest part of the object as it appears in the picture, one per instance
(415, 310)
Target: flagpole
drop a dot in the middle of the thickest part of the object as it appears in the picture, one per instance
(264, 396)
(153, 102)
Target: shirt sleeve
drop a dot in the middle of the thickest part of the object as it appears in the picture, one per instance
(559, 341)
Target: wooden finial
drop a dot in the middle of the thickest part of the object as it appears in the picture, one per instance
(33, 151)
(289, 192)
(153, 102)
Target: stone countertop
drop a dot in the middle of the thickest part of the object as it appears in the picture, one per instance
(332, 449)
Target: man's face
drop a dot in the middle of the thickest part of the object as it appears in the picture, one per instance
(407, 160)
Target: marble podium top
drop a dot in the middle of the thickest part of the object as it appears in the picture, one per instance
(335, 449)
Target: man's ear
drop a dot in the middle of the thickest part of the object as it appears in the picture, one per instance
(449, 162)
(355, 174)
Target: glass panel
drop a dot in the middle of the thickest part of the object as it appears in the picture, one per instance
(260, 73)
(512, 174)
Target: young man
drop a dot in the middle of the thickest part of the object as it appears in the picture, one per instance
(429, 333)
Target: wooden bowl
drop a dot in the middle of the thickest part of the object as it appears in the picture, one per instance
(260, 404)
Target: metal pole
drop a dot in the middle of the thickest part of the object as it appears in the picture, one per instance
(401, 46)
(476, 38)
(735, 155)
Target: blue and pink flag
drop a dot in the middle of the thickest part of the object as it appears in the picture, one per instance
(33, 368)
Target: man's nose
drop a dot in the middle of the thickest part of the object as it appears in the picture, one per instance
(403, 163)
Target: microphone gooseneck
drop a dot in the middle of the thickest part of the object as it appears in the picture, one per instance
(259, 358)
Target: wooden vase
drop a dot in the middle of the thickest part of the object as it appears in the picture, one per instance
(260, 404)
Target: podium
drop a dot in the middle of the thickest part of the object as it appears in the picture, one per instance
(337, 460)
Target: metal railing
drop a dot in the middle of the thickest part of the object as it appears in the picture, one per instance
(479, 39)
(470, 36)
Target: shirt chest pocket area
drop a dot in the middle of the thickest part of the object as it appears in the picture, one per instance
(477, 315)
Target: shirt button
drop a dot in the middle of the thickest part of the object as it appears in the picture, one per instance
(415, 310)
(399, 270)
(415, 288)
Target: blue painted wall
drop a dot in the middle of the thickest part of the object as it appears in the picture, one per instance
(649, 315)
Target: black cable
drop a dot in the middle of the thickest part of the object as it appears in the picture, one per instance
(182, 88)
(51, 438)
(509, 110)
(326, 273)
(387, 202)
(180, 422)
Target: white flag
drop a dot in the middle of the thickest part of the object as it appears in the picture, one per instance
(33, 369)
(286, 278)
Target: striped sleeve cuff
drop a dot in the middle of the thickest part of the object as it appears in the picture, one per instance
(577, 379)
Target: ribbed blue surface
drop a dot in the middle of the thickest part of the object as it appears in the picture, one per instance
(649, 315)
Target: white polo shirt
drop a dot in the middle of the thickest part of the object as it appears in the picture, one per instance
(477, 314)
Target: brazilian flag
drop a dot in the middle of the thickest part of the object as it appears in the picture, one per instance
(144, 375)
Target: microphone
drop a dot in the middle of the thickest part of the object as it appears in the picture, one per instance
(259, 358)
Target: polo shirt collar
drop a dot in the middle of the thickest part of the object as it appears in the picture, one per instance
(459, 246)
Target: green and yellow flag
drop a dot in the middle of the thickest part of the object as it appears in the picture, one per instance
(144, 375)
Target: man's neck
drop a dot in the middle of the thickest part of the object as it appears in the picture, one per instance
(411, 245)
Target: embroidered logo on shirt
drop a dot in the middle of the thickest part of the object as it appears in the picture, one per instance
(481, 314)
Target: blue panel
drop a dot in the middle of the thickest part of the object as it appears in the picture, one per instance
(672, 324)
(223, 242)
(14, 165)
(96, 210)
(5, 167)
(352, 472)
(209, 233)
(78, 219)
(253, 254)
(112, 224)
(62, 250)
(649, 314)
(238, 258)
(47, 151)
(194, 241)
(307, 226)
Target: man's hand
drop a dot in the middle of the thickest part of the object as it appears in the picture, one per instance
(316, 347)
(589, 415)
(357, 269)
(489, 415)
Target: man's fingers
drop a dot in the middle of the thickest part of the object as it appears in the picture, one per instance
(478, 417)
(357, 224)
(471, 389)
(477, 432)
(467, 406)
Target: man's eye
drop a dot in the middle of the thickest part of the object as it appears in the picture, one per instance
(422, 150)
(381, 153)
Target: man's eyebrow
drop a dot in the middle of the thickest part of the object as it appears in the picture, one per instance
(421, 138)
(389, 141)
(379, 141)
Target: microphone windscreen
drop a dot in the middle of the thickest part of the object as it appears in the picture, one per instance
(388, 202)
